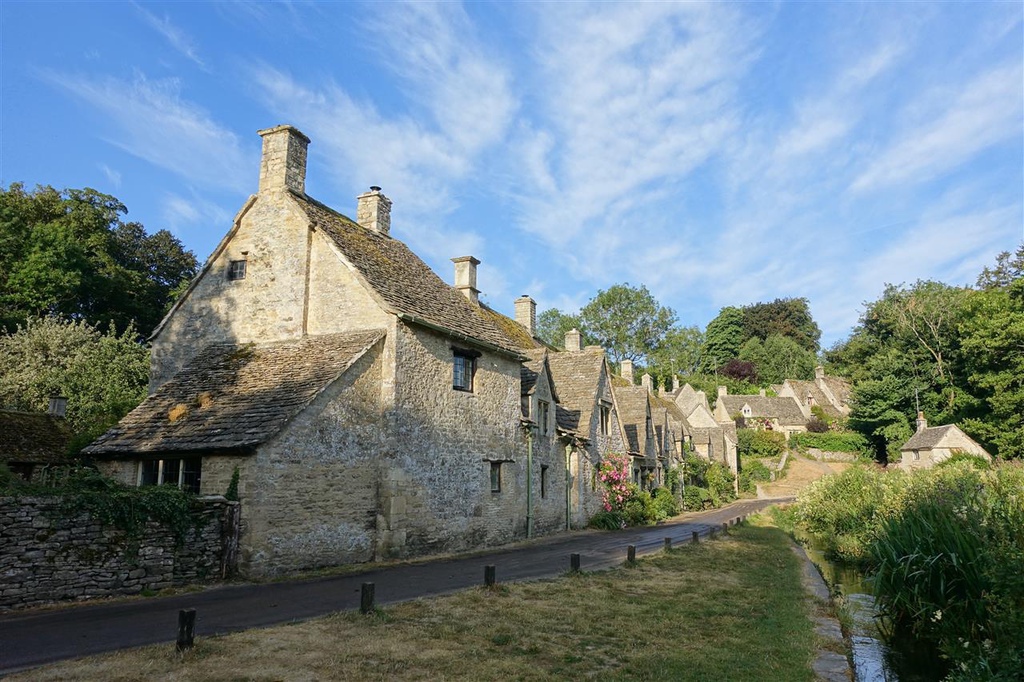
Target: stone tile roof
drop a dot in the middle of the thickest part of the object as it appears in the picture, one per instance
(535, 365)
(785, 410)
(515, 332)
(577, 374)
(404, 284)
(803, 388)
(840, 388)
(929, 437)
(569, 420)
(233, 397)
(33, 438)
(632, 404)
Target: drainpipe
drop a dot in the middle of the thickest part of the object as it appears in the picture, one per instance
(568, 495)
(529, 481)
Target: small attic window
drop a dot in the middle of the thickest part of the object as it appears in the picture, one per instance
(236, 270)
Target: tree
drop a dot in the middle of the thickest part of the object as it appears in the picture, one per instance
(103, 374)
(552, 324)
(1007, 269)
(788, 317)
(68, 253)
(678, 353)
(627, 321)
(778, 358)
(740, 370)
(722, 338)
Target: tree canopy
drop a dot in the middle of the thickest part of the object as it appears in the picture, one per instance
(68, 253)
(785, 317)
(627, 321)
(103, 374)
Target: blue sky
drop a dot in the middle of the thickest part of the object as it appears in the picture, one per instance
(721, 154)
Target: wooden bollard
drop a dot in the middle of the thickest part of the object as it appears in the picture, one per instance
(366, 598)
(631, 554)
(711, 534)
(695, 537)
(668, 544)
(490, 575)
(186, 629)
(738, 521)
(725, 529)
(574, 563)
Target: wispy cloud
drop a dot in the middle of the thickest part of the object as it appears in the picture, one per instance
(113, 177)
(183, 215)
(151, 120)
(981, 113)
(174, 35)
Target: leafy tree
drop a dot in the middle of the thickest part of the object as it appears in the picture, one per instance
(740, 370)
(627, 321)
(552, 324)
(778, 358)
(1007, 269)
(678, 353)
(788, 317)
(723, 338)
(68, 253)
(103, 374)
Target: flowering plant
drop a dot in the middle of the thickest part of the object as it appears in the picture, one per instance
(614, 476)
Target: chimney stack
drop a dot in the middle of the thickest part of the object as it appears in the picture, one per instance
(526, 313)
(373, 211)
(58, 406)
(922, 423)
(573, 340)
(465, 278)
(626, 370)
(283, 166)
(723, 390)
(675, 383)
(819, 373)
(761, 392)
(647, 382)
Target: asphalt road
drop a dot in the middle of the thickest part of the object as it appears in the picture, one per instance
(33, 638)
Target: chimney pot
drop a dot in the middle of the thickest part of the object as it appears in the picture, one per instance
(373, 211)
(922, 423)
(573, 340)
(626, 370)
(647, 382)
(526, 313)
(675, 383)
(465, 277)
(819, 372)
(723, 390)
(283, 166)
(58, 406)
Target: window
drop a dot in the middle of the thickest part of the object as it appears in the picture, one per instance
(463, 369)
(236, 270)
(495, 477)
(543, 481)
(543, 410)
(183, 473)
(606, 419)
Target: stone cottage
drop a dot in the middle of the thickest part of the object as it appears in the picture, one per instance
(933, 444)
(589, 419)
(638, 427)
(34, 445)
(829, 393)
(369, 409)
(760, 411)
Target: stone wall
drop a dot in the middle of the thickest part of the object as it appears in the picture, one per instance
(46, 557)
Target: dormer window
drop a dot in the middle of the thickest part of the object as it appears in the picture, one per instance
(236, 270)
(746, 410)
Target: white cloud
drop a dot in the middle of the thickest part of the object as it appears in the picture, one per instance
(980, 114)
(192, 214)
(178, 39)
(151, 121)
(113, 177)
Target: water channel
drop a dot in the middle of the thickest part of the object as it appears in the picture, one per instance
(874, 659)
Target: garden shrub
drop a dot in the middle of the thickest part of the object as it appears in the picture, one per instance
(696, 498)
(833, 441)
(665, 504)
(752, 472)
(758, 443)
(607, 520)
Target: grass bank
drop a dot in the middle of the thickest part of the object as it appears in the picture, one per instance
(729, 609)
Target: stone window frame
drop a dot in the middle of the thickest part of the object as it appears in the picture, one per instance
(544, 416)
(185, 479)
(496, 476)
(605, 416)
(464, 369)
(543, 481)
(237, 269)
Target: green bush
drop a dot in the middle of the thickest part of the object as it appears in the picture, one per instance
(753, 471)
(607, 520)
(757, 443)
(639, 509)
(696, 498)
(665, 504)
(833, 441)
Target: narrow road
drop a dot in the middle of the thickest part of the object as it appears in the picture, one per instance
(33, 638)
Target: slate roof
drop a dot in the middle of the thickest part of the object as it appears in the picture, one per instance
(233, 397)
(404, 283)
(33, 438)
(577, 374)
(929, 437)
(785, 410)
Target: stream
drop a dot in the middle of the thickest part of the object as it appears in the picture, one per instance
(874, 659)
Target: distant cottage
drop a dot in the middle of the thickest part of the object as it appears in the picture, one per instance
(933, 444)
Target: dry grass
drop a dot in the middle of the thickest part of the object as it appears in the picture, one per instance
(733, 609)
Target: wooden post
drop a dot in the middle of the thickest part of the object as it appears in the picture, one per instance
(186, 629)
(711, 534)
(725, 529)
(631, 554)
(668, 544)
(696, 537)
(490, 573)
(366, 598)
(574, 563)
(738, 521)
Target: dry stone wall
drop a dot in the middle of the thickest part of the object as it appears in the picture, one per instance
(48, 557)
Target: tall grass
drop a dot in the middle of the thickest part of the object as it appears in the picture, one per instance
(945, 549)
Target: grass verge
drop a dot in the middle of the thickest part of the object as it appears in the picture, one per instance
(731, 609)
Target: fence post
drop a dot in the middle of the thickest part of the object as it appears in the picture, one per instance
(668, 544)
(490, 573)
(574, 563)
(186, 629)
(631, 554)
(366, 598)
(695, 537)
